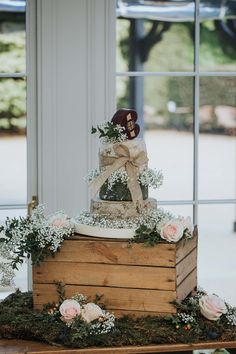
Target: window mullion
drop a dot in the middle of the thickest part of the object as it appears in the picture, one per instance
(196, 112)
(12, 75)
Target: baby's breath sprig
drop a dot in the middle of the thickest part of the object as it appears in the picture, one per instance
(35, 236)
(230, 315)
(147, 177)
(151, 178)
(148, 218)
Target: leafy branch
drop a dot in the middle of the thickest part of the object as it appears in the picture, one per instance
(149, 236)
(109, 132)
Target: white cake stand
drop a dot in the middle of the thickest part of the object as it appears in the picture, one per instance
(103, 232)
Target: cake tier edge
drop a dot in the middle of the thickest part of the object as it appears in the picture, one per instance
(120, 209)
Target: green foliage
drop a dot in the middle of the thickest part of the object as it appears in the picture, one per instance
(12, 47)
(12, 98)
(109, 132)
(25, 246)
(150, 237)
(189, 318)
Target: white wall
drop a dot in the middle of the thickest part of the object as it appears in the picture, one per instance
(76, 89)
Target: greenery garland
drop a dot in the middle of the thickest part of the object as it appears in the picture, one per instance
(35, 236)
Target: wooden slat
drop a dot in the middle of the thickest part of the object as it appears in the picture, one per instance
(106, 275)
(15, 346)
(186, 266)
(184, 247)
(120, 313)
(106, 251)
(114, 298)
(187, 285)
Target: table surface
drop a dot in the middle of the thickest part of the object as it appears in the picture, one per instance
(15, 346)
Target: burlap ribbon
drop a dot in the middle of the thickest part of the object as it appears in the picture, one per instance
(131, 165)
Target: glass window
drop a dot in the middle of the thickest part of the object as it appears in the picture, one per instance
(168, 126)
(13, 141)
(188, 115)
(217, 142)
(217, 36)
(12, 36)
(20, 279)
(150, 32)
(13, 118)
(216, 253)
(178, 209)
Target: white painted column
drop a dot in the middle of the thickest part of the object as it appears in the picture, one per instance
(76, 89)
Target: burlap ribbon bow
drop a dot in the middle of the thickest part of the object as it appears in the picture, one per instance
(131, 164)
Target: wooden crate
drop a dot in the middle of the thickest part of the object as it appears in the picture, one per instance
(138, 280)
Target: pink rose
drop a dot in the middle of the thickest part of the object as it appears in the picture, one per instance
(91, 312)
(58, 220)
(212, 307)
(69, 309)
(172, 231)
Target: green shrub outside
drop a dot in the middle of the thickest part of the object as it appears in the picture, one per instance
(12, 91)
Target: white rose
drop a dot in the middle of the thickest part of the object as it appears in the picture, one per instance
(91, 312)
(69, 309)
(212, 307)
(172, 231)
(187, 224)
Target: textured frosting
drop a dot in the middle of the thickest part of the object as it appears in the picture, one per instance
(120, 209)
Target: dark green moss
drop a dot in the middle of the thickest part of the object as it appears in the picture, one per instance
(18, 319)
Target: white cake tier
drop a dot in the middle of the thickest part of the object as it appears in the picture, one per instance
(120, 209)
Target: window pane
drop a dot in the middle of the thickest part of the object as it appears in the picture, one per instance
(148, 33)
(178, 210)
(12, 36)
(216, 255)
(12, 141)
(217, 36)
(20, 279)
(168, 119)
(11, 213)
(217, 143)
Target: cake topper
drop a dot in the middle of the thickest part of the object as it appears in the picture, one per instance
(127, 118)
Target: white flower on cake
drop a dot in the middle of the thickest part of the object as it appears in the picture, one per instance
(69, 309)
(147, 177)
(150, 218)
(151, 178)
(172, 231)
(91, 312)
(212, 307)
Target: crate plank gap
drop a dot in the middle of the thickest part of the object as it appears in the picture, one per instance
(134, 280)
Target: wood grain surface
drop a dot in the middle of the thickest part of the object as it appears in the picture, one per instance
(14, 346)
